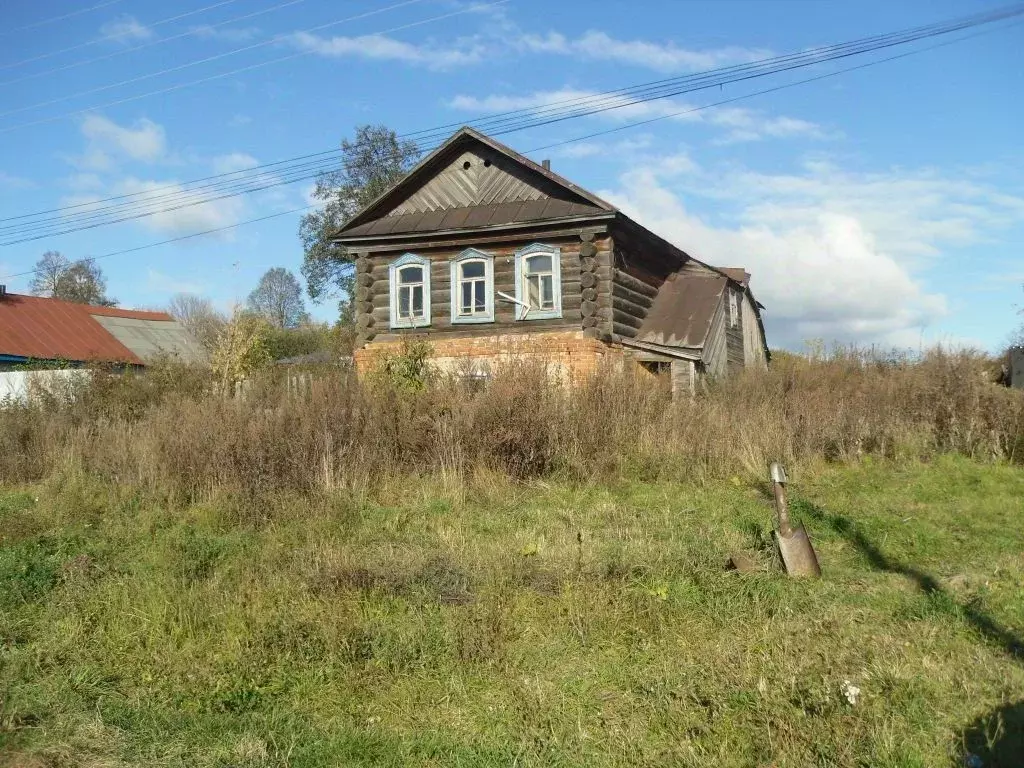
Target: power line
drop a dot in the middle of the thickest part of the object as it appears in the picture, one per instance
(626, 126)
(132, 49)
(145, 204)
(257, 65)
(206, 60)
(55, 19)
(214, 230)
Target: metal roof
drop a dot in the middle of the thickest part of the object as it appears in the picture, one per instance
(33, 327)
(683, 310)
(491, 215)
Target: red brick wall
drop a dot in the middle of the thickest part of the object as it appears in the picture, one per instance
(568, 353)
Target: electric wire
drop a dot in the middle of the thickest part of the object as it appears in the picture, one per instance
(311, 168)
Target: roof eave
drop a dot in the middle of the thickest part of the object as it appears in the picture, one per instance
(510, 227)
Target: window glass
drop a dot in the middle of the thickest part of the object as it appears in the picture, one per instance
(472, 288)
(410, 294)
(473, 269)
(536, 264)
(411, 274)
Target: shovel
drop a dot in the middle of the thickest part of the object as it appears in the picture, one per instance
(798, 556)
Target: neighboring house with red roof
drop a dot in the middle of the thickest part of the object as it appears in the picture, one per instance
(41, 331)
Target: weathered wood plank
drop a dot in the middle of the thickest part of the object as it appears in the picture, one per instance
(625, 318)
(624, 305)
(623, 329)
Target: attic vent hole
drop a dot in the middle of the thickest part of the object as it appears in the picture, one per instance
(487, 163)
(466, 165)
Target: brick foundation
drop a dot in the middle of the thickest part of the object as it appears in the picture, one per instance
(569, 355)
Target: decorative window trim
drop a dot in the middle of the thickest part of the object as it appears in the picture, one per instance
(404, 261)
(535, 249)
(472, 254)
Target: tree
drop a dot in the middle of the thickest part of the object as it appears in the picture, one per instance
(241, 349)
(48, 270)
(372, 163)
(199, 318)
(83, 283)
(278, 299)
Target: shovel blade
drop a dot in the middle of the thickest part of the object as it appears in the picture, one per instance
(797, 553)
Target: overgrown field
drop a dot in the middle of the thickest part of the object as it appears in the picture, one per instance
(415, 572)
(530, 624)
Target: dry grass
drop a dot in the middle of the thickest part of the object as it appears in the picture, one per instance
(161, 433)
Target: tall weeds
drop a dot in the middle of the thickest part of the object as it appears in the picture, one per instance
(164, 431)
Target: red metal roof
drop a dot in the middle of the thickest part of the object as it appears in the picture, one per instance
(51, 329)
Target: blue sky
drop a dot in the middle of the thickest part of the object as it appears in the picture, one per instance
(882, 206)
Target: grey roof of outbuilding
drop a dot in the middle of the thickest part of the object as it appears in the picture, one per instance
(149, 339)
(683, 310)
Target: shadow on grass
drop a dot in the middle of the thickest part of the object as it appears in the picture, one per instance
(997, 738)
(989, 628)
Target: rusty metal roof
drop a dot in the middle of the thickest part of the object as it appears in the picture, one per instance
(38, 328)
(683, 310)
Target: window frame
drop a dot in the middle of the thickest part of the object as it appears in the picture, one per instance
(538, 249)
(468, 255)
(406, 260)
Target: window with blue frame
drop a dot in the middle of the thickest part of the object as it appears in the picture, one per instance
(538, 282)
(409, 278)
(472, 286)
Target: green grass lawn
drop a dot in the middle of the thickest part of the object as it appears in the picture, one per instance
(496, 624)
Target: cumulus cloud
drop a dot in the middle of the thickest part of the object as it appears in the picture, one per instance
(235, 161)
(737, 123)
(663, 57)
(144, 140)
(384, 48)
(834, 255)
(163, 196)
(126, 29)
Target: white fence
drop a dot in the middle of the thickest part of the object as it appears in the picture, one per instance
(21, 386)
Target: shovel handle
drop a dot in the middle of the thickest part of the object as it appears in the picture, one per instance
(782, 508)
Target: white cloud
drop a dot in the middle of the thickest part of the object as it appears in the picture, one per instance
(235, 35)
(834, 255)
(663, 57)
(235, 161)
(144, 140)
(239, 120)
(383, 48)
(163, 196)
(126, 29)
(738, 123)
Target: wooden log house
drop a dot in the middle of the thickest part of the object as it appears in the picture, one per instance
(487, 255)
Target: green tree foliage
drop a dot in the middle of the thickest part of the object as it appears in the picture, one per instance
(81, 282)
(375, 160)
(278, 299)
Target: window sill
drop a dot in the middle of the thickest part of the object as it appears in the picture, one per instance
(400, 325)
(472, 320)
(537, 314)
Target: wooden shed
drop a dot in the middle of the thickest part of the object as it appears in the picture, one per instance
(488, 255)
